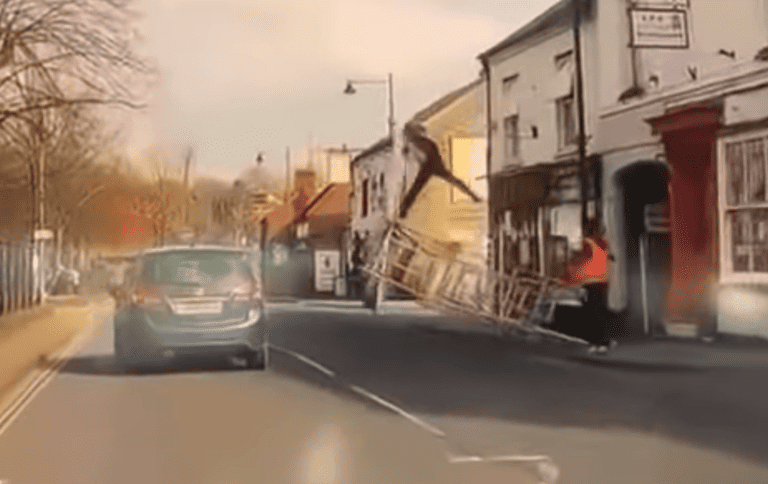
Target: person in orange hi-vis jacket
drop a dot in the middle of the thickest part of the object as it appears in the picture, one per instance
(590, 270)
(592, 264)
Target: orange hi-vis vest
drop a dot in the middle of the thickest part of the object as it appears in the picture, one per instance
(591, 266)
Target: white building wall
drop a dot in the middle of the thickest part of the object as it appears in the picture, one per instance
(370, 168)
(740, 26)
(532, 97)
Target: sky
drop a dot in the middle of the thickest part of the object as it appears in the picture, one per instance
(239, 77)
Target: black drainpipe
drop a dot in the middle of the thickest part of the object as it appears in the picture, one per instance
(489, 144)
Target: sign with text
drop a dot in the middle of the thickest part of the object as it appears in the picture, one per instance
(667, 4)
(657, 28)
(327, 269)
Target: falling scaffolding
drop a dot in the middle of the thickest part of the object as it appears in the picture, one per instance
(441, 276)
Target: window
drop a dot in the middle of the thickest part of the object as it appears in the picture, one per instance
(566, 121)
(468, 164)
(218, 271)
(364, 200)
(508, 82)
(744, 206)
(562, 232)
(511, 139)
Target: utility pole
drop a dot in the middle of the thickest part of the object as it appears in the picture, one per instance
(186, 186)
(287, 173)
(580, 114)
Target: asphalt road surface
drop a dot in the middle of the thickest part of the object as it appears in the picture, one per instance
(351, 397)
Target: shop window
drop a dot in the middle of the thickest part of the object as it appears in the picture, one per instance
(562, 232)
(521, 244)
(745, 211)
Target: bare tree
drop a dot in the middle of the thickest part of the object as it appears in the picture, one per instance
(56, 55)
(60, 52)
(73, 173)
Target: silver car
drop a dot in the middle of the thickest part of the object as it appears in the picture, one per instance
(183, 300)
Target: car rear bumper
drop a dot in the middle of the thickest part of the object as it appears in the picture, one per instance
(237, 336)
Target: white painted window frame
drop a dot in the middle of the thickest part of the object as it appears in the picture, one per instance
(727, 274)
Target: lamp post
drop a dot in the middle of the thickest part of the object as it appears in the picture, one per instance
(380, 286)
(350, 89)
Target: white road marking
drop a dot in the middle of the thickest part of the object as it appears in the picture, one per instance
(40, 381)
(416, 420)
(548, 471)
(308, 361)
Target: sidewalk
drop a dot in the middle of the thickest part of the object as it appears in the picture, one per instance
(680, 354)
(28, 336)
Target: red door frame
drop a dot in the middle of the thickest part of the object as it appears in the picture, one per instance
(690, 141)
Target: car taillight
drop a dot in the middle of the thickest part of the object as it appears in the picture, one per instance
(147, 296)
(246, 292)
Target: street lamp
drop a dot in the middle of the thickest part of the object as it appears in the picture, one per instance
(380, 287)
(350, 89)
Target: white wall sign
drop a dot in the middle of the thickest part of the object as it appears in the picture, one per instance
(659, 28)
(327, 268)
(663, 4)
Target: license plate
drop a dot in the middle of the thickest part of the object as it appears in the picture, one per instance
(198, 308)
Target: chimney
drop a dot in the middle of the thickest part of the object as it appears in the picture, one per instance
(305, 181)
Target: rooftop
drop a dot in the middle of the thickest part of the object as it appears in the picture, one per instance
(380, 145)
(444, 102)
(558, 14)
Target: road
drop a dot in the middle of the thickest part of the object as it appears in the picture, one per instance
(351, 397)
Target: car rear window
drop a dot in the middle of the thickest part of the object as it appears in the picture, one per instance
(219, 270)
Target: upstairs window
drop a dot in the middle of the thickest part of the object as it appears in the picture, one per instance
(511, 139)
(566, 122)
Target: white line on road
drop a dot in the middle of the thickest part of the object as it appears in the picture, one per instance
(548, 471)
(424, 425)
(39, 382)
(304, 359)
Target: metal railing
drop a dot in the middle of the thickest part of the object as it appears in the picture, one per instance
(17, 276)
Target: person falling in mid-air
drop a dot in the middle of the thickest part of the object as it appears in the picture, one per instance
(431, 165)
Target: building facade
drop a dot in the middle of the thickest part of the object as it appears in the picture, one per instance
(535, 209)
(675, 126)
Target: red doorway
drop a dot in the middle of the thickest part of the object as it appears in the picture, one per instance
(690, 144)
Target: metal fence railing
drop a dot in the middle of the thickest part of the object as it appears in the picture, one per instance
(17, 277)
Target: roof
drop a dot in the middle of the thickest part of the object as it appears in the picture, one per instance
(560, 13)
(546, 166)
(333, 199)
(380, 145)
(176, 248)
(444, 102)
